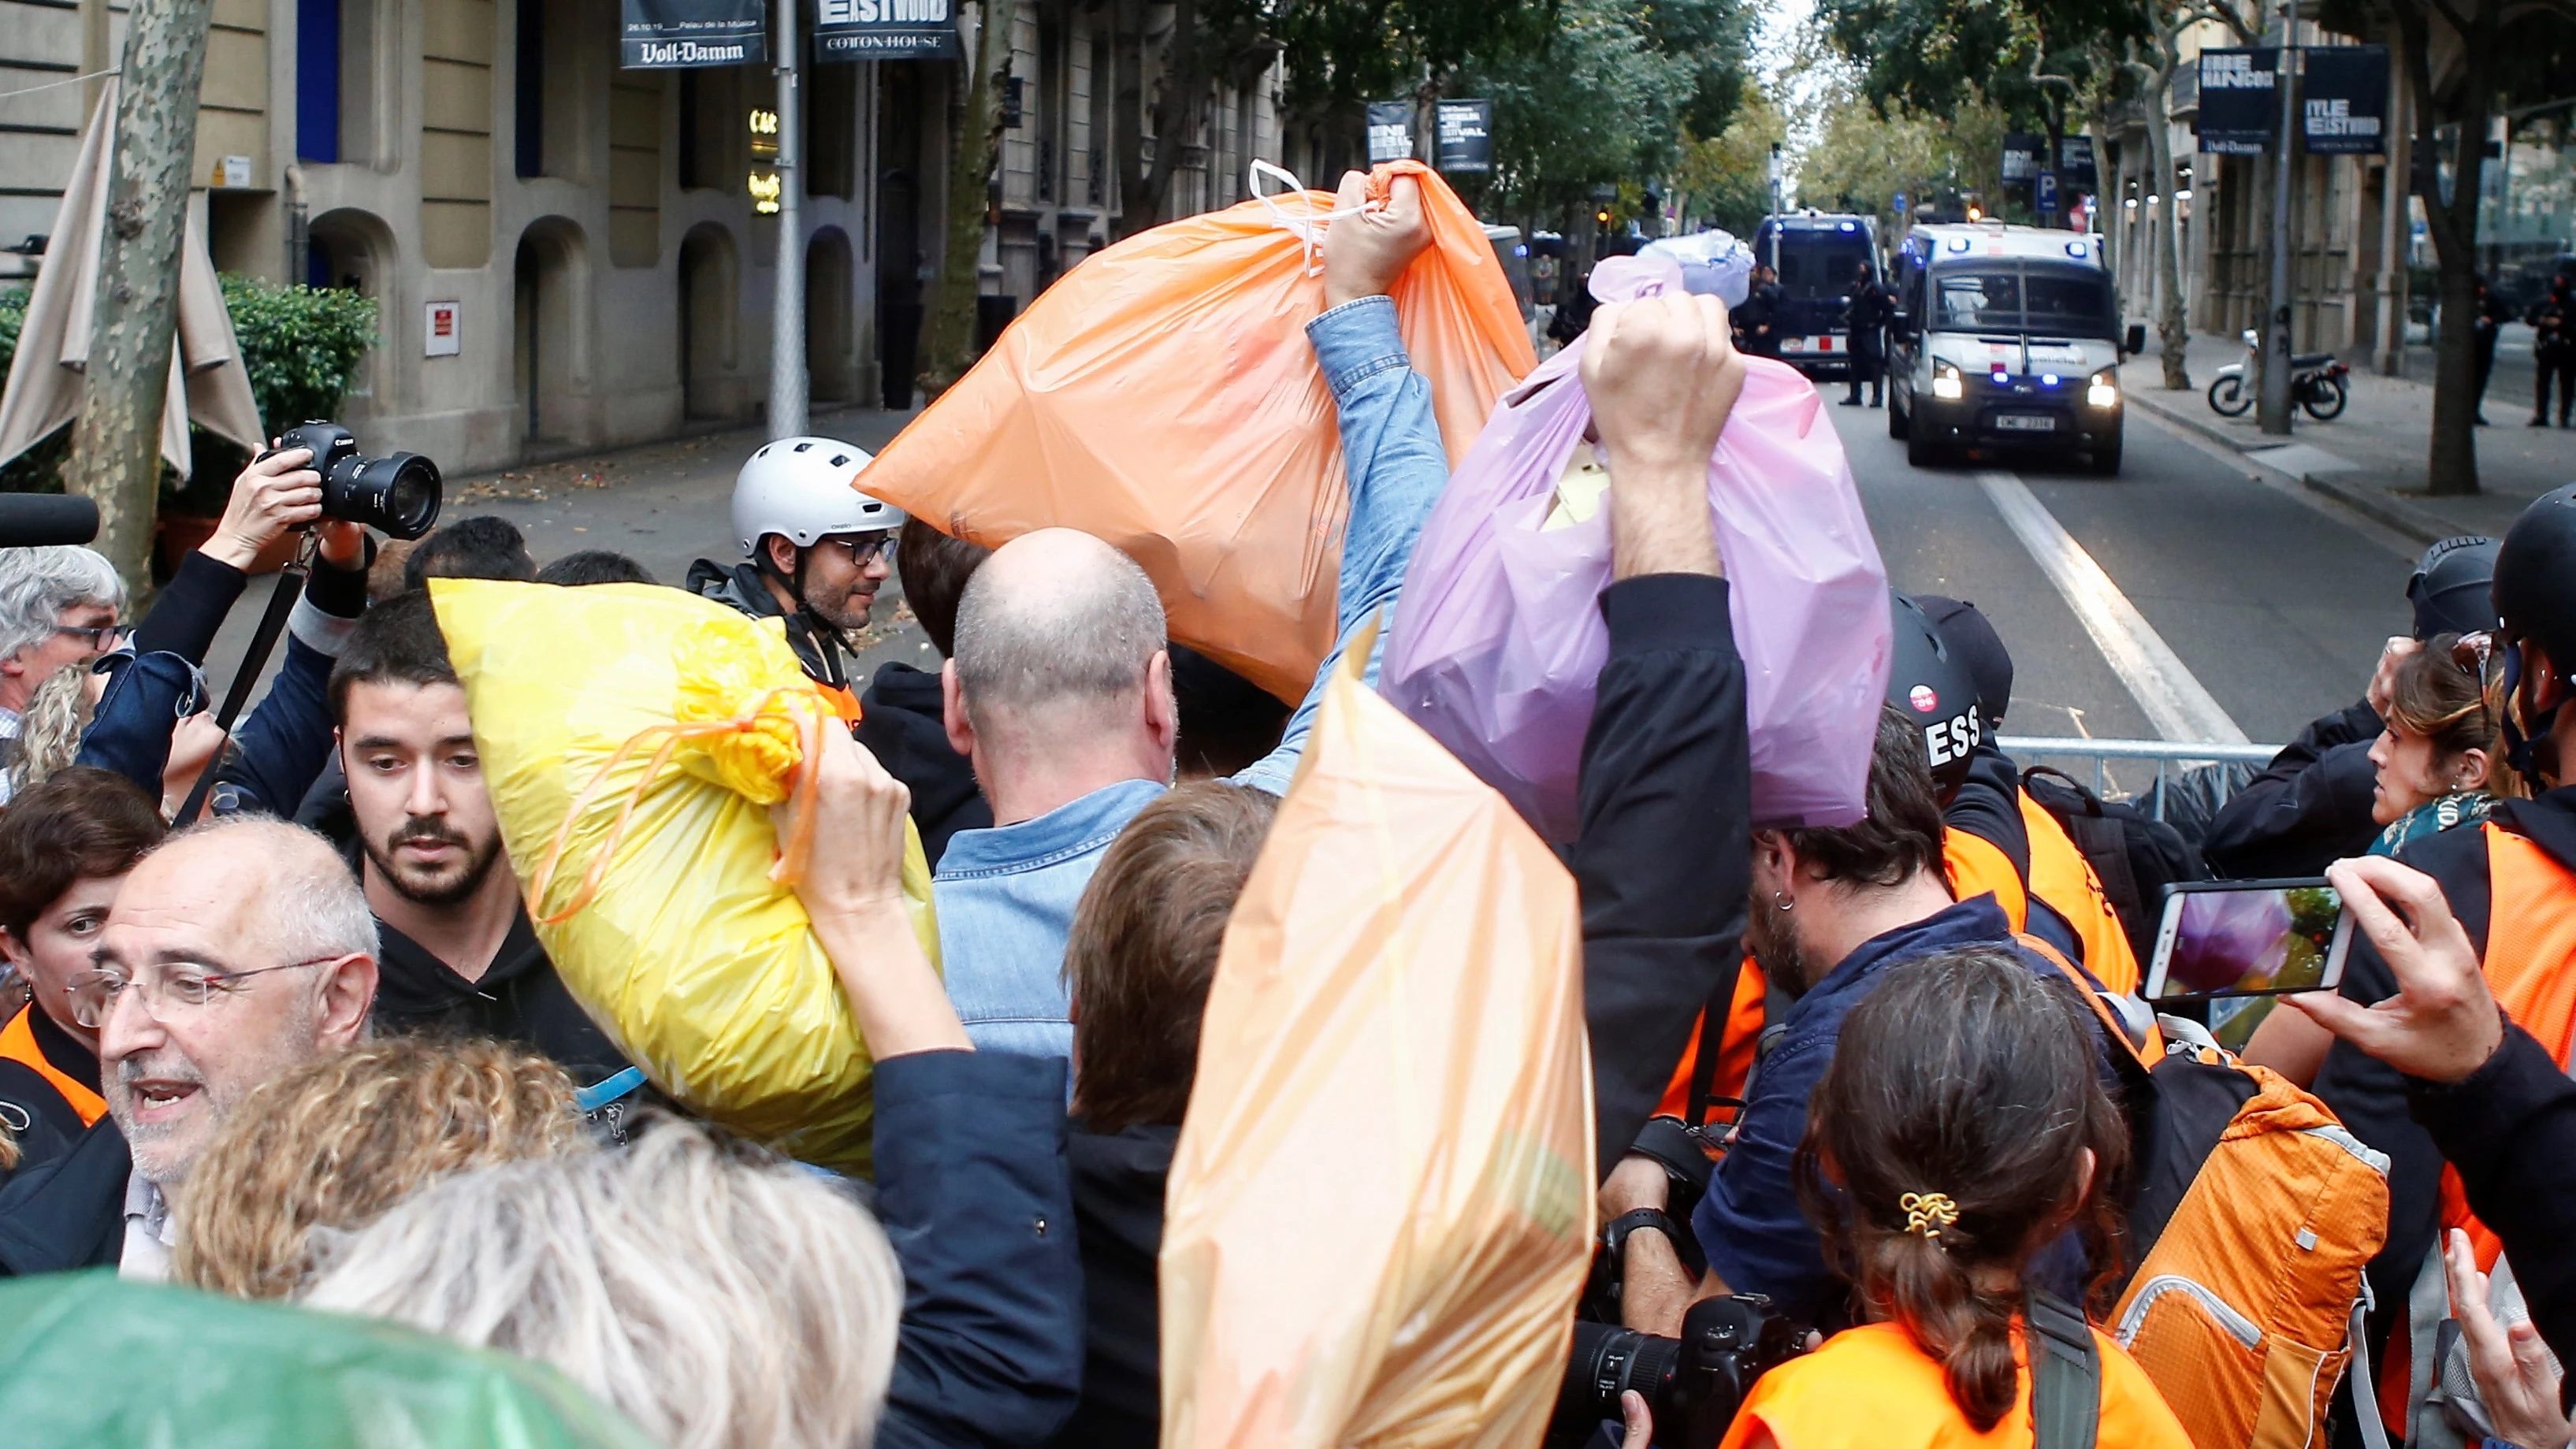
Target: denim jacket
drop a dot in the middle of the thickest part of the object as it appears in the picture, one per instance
(1006, 895)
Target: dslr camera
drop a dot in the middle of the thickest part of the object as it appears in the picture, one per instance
(1693, 1385)
(397, 495)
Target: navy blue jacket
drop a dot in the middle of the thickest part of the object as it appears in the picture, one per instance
(973, 1189)
(1750, 1224)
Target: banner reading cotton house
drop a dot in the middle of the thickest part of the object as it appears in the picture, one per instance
(885, 30)
(677, 34)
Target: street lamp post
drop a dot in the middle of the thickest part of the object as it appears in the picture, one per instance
(2273, 405)
(787, 312)
(1775, 208)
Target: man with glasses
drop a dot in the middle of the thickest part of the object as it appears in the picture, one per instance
(58, 607)
(817, 549)
(235, 951)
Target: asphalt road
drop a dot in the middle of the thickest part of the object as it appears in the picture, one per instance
(2272, 602)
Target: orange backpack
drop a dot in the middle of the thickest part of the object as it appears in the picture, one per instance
(2256, 1213)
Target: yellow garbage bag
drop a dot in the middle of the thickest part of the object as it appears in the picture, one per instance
(1379, 1213)
(633, 738)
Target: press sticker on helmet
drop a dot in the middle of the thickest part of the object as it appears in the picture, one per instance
(1924, 699)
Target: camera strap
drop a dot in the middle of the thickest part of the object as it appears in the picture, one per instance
(2065, 1374)
(272, 622)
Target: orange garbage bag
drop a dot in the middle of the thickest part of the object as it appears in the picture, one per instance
(1379, 1212)
(1162, 397)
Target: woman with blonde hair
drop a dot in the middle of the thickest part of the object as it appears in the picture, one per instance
(335, 1143)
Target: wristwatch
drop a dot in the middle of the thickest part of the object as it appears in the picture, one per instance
(1614, 1237)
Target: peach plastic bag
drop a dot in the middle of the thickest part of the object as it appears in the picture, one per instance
(633, 737)
(1380, 1211)
(1162, 396)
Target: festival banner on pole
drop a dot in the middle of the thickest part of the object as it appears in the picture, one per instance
(886, 30)
(1466, 139)
(1390, 131)
(680, 34)
(2343, 100)
(2240, 110)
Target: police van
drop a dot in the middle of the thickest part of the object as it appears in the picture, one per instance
(1816, 253)
(2005, 339)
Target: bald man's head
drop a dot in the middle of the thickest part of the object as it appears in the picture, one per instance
(237, 950)
(1057, 628)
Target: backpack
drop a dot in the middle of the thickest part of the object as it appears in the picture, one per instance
(2135, 855)
(2253, 1215)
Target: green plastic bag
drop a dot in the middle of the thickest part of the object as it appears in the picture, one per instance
(89, 1361)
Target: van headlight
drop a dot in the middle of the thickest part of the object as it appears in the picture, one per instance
(2104, 390)
(1945, 381)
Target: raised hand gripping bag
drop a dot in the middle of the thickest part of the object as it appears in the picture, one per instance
(1498, 637)
(1379, 1212)
(633, 738)
(1162, 396)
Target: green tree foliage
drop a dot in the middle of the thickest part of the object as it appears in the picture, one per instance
(1611, 94)
(1863, 156)
(300, 345)
(1724, 178)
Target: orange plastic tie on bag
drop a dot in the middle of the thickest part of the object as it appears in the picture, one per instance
(794, 853)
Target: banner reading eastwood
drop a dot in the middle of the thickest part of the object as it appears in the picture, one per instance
(678, 34)
(2343, 107)
(885, 30)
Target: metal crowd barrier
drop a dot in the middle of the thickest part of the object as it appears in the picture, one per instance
(2167, 755)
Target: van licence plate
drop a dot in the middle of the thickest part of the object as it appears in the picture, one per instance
(2026, 422)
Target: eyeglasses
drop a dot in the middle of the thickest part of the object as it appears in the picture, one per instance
(865, 548)
(99, 639)
(169, 994)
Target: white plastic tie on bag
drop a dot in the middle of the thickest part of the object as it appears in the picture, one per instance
(1308, 225)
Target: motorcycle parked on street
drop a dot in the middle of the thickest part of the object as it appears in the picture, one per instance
(2316, 383)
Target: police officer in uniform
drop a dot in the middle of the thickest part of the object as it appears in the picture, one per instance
(1866, 313)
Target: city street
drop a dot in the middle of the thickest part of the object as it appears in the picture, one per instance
(2188, 598)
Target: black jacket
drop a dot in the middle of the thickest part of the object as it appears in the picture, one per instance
(45, 1125)
(2309, 808)
(519, 999)
(2369, 1095)
(1663, 855)
(1118, 1183)
(819, 650)
(1988, 806)
(2510, 1129)
(973, 1193)
(69, 1211)
(903, 723)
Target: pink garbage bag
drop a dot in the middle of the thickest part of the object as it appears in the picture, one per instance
(1498, 638)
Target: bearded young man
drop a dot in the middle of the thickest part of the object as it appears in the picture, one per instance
(459, 951)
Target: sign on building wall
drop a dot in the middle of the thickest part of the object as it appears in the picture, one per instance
(2240, 112)
(1466, 137)
(442, 334)
(1390, 131)
(2343, 100)
(885, 30)
(678, 34)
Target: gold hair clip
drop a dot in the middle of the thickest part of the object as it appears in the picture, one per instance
(1928, 1212)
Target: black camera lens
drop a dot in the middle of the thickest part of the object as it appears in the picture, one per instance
(1607, 1360)
(397, 495)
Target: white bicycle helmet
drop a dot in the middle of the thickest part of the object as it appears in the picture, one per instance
(799, 488)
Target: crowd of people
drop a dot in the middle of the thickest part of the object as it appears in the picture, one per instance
(280, 1025)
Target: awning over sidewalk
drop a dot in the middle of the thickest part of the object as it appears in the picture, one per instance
(208, 385)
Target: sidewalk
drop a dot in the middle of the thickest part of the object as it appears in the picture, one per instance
(2372, 459)
(663, 504)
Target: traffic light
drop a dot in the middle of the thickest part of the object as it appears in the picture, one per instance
(1975, 215)
(1602, 216)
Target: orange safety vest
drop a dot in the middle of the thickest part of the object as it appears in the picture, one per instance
(1872, 1387)
(2061, 876)
(844, 703)
(1734, 1047)
(2531, 939)
(1977, 867)
(18, 1044)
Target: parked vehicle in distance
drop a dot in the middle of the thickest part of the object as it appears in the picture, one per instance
(2316, 382)
(2006, 339)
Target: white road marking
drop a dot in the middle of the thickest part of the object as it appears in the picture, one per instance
(2174, 701)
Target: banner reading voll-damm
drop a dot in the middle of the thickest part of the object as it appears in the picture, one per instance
(2240, 112)
(677, 34)
(885, 30)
